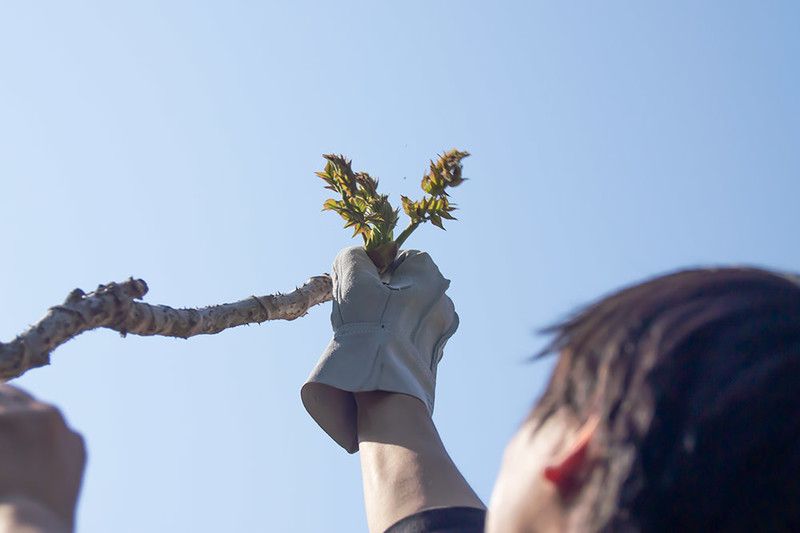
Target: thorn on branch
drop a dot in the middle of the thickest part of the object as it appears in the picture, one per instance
(74, 296)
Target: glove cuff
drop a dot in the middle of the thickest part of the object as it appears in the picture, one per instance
(366, 357)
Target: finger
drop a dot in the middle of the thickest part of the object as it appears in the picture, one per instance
(80, 444)
(352, 267)
(75, 449)
(13, 393)
(418, 265)
(392, 268)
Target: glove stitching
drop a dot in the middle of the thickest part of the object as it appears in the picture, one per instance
(411, 351)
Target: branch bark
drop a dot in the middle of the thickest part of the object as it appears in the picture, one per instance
(114, 306)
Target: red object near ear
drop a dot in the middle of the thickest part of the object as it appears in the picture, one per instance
(552, 474)
(565, 471)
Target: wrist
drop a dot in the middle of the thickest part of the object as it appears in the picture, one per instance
(23, 515)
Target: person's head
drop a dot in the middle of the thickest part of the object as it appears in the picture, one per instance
(674, 406)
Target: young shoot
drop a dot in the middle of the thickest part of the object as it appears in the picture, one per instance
(372, 216)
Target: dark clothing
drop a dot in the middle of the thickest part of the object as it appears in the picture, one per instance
(442, 520)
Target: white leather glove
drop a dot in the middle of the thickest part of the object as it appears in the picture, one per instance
(389, 333)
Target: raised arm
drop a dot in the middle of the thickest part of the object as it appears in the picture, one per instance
(373, 390)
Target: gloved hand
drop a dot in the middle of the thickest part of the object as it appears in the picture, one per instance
(389, 333)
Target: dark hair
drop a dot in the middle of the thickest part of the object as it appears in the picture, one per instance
(696, 378)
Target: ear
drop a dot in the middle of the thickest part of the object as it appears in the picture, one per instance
(563, 472)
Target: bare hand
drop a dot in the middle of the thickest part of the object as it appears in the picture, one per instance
(41, 459)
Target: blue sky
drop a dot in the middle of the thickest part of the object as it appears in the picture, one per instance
(177, 142)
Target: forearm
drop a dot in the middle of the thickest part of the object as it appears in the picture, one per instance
(405, 466)
(19, 515)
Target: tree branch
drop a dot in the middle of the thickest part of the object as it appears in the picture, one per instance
(113, 306)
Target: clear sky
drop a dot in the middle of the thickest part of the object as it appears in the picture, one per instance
(177, 141)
